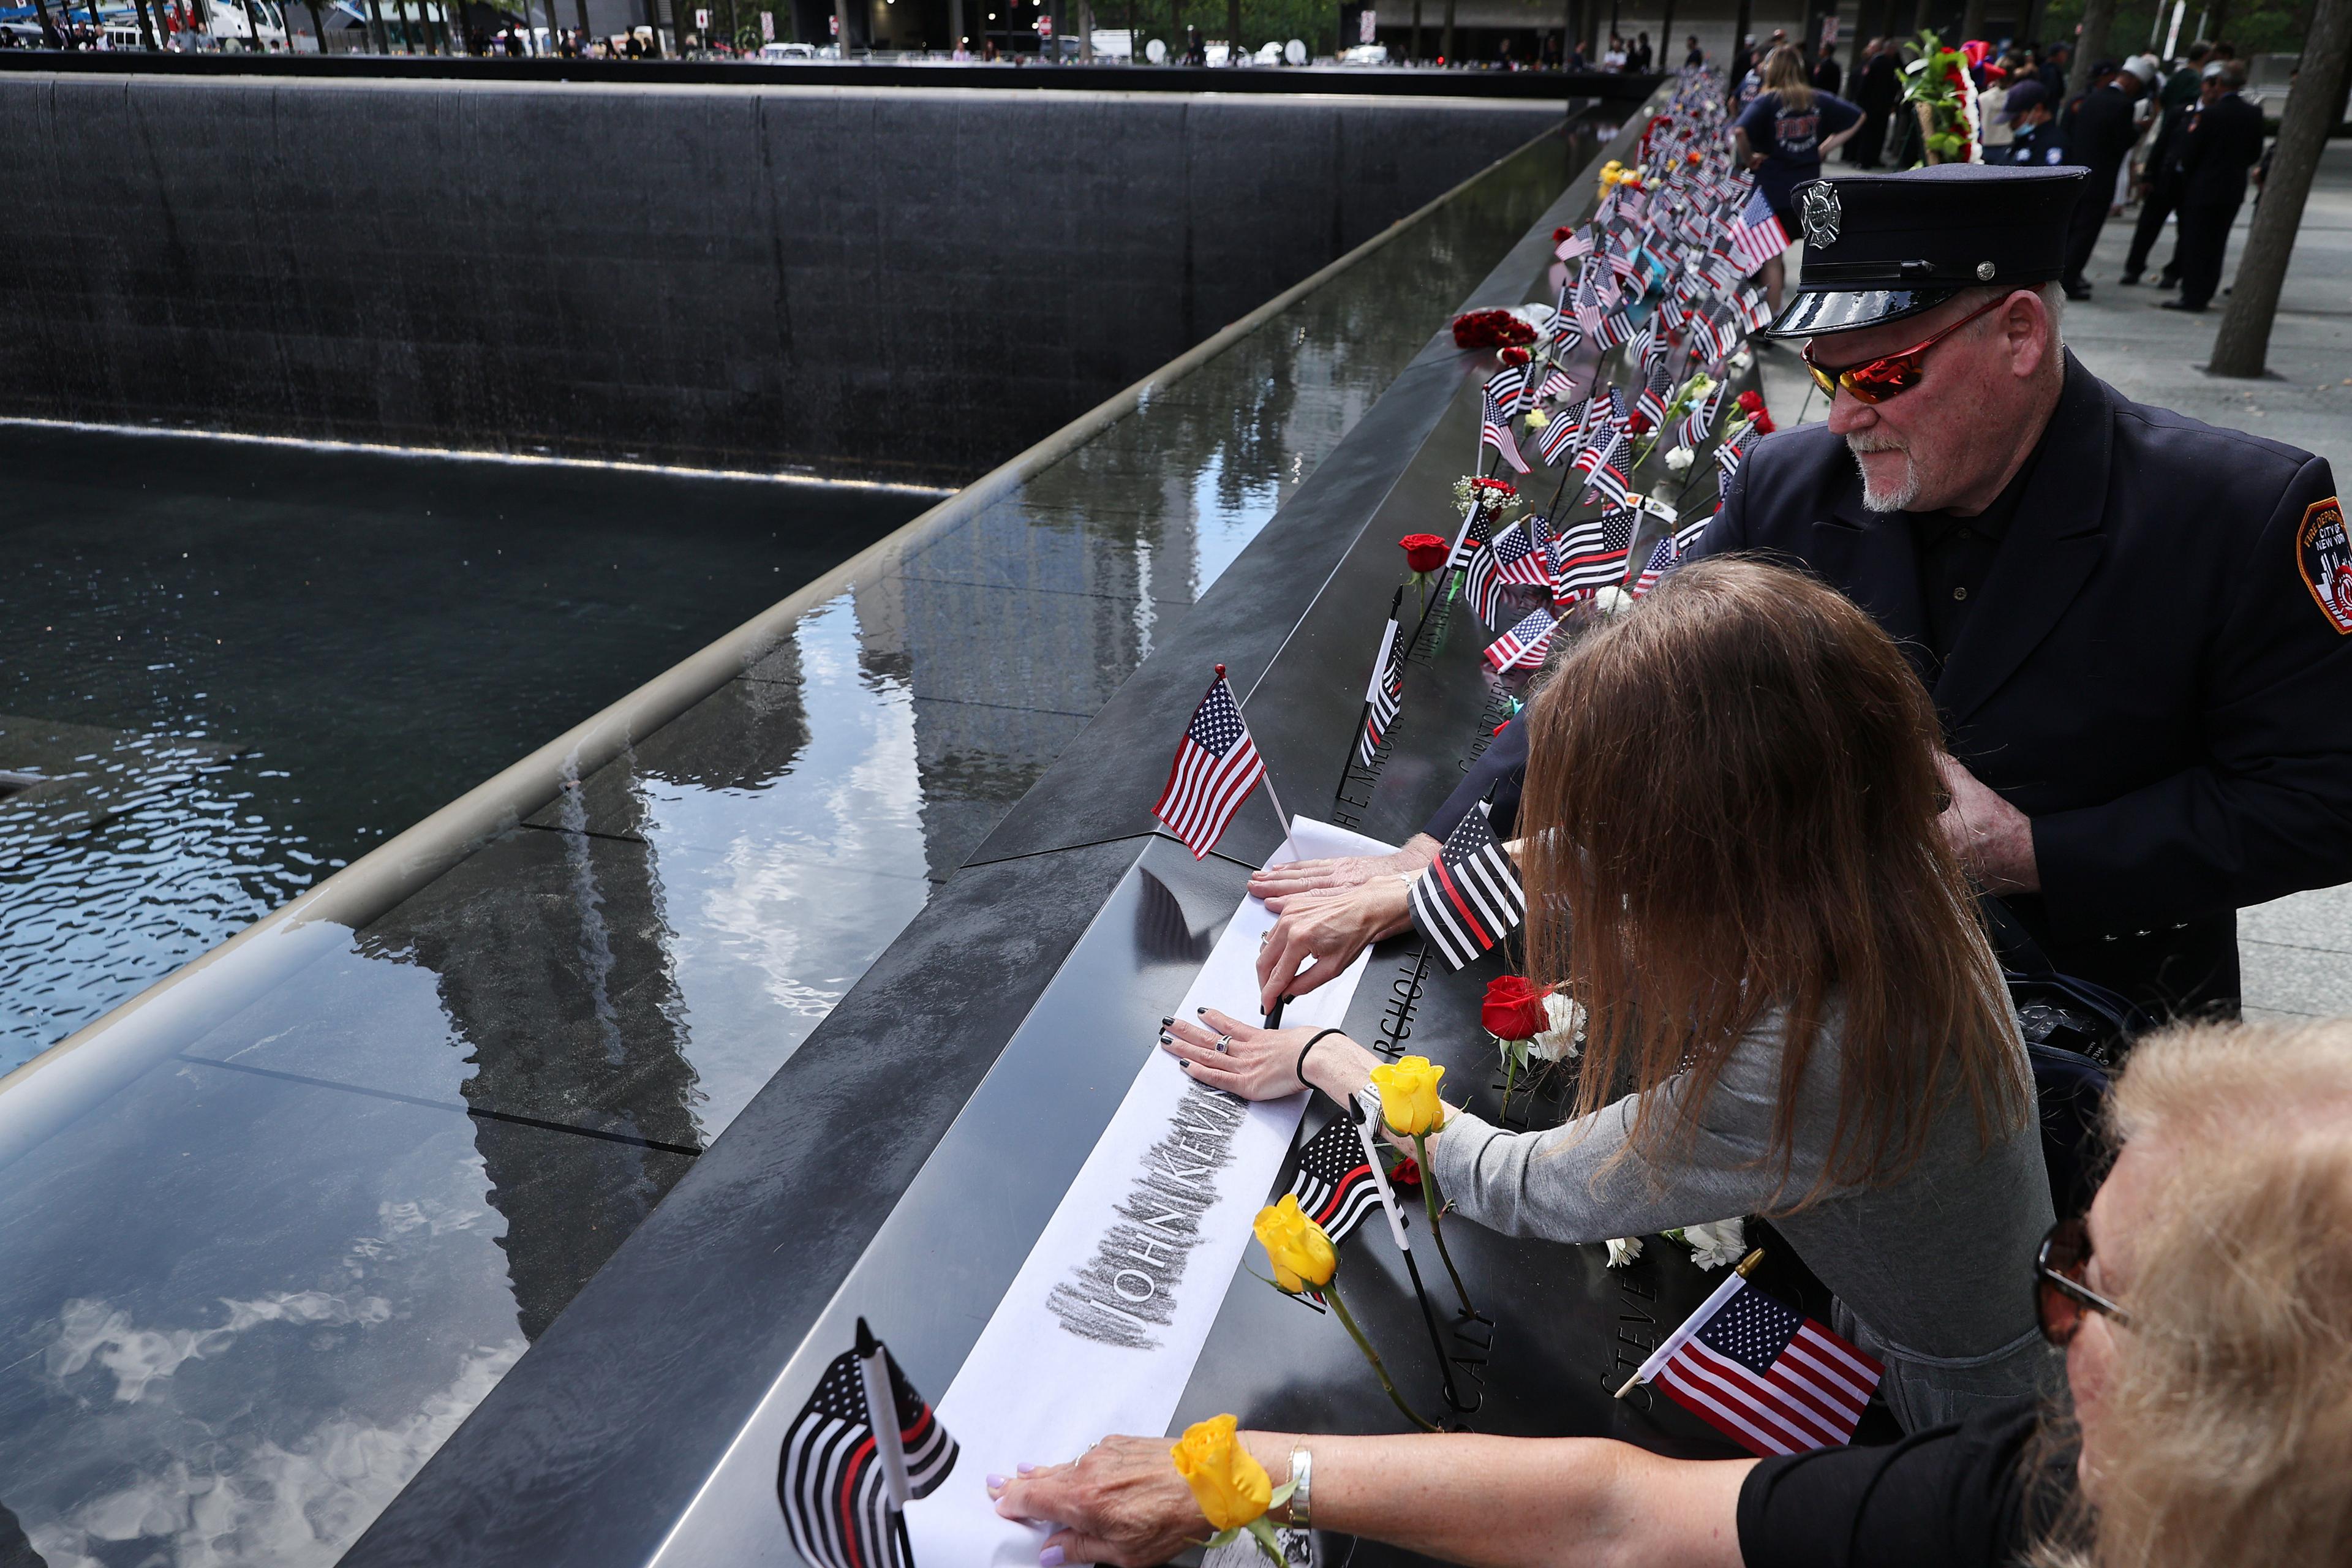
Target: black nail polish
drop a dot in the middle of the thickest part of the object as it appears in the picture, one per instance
(1166, 1038)
(1165, 1022)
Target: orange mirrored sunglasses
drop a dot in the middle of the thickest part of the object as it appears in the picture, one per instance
(1877, 380)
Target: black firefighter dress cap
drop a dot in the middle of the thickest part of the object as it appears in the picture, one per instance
(1879, 248)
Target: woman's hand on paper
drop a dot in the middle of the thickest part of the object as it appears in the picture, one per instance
(1276, 883)
(1122, 1503)
(1319, 934)
(1263, 1064)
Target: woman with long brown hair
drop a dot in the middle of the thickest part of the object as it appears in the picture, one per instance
(1733, 863)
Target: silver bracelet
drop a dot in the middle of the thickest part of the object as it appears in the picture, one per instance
(1302, 1486)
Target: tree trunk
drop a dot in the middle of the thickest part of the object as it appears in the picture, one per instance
(1741, 24)
(1972, 21)
(49, 33)
(377, 36)
(1445, 39)
(1233, 28)
(1416, 54)
(1668, 61)
(318, 25)
(147, 29)
(2217, 16)
(2242, 345)
(2098, 19)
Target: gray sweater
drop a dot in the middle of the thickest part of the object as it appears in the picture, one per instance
(1931, 1273)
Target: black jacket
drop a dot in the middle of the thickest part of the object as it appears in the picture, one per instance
(2217, 148)
(2149, 676)
(2100, 136)
(1878, 89)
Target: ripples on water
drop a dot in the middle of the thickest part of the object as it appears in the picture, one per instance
(265, 661)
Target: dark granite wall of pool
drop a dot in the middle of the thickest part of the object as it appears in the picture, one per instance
(851, 282)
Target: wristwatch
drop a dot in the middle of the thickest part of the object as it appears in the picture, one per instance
(1302, 1485)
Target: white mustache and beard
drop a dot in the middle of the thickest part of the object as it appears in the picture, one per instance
(1898, 498)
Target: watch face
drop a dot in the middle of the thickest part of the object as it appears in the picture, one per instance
(1819, 212)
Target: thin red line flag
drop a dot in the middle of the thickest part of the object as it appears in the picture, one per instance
(1764, 1375)
(1216, 766)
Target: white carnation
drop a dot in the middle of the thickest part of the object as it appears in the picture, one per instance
(1717, 1243)
(1742, 360)
(1678, 460)
(1623, 1249)
(1566, 1034)
(1614, 601)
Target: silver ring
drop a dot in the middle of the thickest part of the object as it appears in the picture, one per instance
(1224, 1042)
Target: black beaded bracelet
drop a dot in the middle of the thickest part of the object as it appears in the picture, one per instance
(1299, 1072)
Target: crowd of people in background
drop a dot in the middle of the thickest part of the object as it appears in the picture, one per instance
(2182, 139)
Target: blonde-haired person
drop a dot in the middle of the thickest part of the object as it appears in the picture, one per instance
(1735, 789)
(2205, 1308)
(1783, 135)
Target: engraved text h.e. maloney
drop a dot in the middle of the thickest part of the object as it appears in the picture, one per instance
(1128, 1288)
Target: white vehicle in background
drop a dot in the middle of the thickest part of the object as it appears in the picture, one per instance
(1365, 55)
(249, 24)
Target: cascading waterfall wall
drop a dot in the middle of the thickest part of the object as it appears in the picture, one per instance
(882, 283)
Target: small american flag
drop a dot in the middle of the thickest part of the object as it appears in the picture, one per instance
(1559, 435)
(1699, 424)
(1754, 309)
(1687, 535)
(1507, 387)
(1216, 766)
(1334, 1185)
(1755, 235)
(1606, 472)
(1591, 555)
(1470, 898)
(1557, 383)
(1657, 383)
(1661, 562)
(1616, 328)
(1512, 558)
(1495, 430)
(1764, 1375)
(1524, 644)
(1727, 463)
(1473, 536)
(830, 1480)
(1385, 696)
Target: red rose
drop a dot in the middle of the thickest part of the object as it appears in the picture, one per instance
(1517, 356)
(1638, 424)
(1490, 329)
(1405, 1173)
(1514, 1009)
(1562, 233)
(1503, 486)
(1423, 551)
(1764, 425)
(1752, 401)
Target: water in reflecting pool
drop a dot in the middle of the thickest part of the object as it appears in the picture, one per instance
(244, 666)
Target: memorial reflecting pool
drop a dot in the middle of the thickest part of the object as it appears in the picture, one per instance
(244, 1294)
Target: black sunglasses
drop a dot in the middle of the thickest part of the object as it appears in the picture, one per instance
(2060, 1297)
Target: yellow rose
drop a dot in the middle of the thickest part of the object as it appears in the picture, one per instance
(1408, 1102)
(1301, 1253)
(1227, 1482)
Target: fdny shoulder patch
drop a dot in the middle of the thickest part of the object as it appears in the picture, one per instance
(2325, 559)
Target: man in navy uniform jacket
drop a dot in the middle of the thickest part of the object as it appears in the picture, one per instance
(2138, 628)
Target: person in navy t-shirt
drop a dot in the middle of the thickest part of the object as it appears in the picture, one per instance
(1782, 135)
